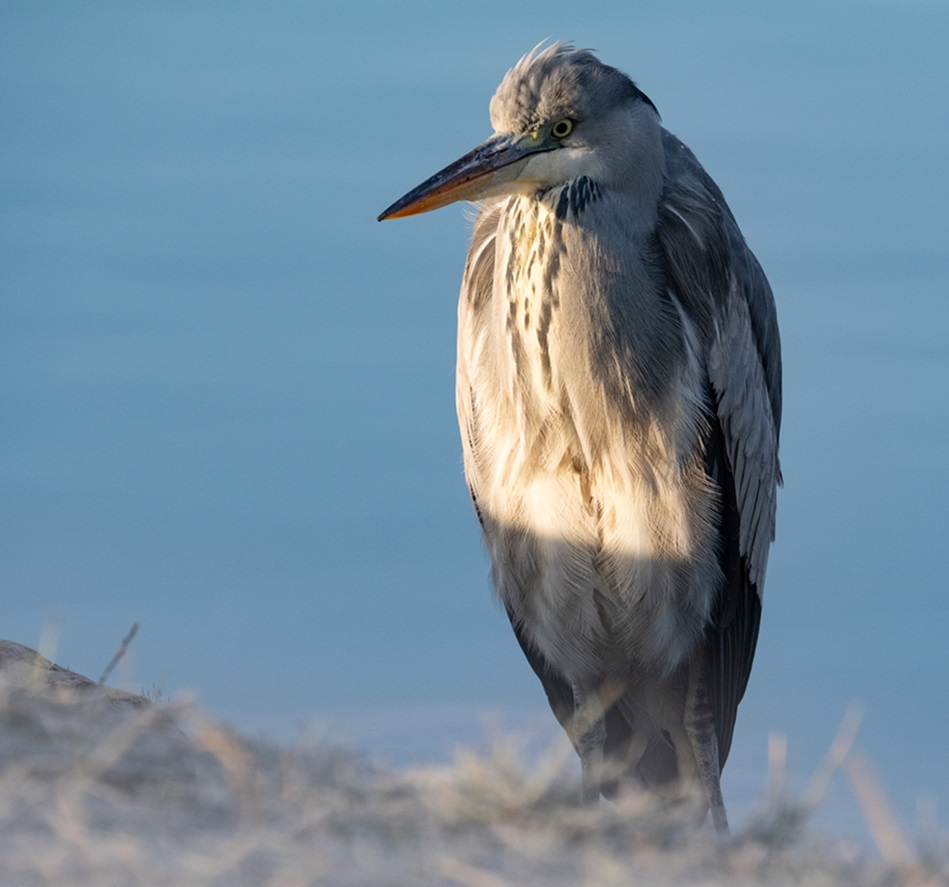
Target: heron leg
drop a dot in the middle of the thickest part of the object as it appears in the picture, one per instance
(589, 728)
(700, 728)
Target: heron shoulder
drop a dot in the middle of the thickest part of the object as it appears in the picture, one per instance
(709, 262)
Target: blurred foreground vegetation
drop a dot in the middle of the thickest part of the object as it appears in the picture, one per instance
(99, 787)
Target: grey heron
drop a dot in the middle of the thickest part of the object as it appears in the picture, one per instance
(619, 398)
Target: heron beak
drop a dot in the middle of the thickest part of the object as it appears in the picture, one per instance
(483, 172)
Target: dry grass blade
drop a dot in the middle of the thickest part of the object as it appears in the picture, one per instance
(777, 770)
(884, 826)
(839, 749)
(469, 876)
(123, 649)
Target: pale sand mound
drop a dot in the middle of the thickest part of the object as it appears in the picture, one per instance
(100, 787)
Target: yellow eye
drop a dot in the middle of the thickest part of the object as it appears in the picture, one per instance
(562, 128)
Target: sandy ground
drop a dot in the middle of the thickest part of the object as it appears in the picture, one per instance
(98, 787)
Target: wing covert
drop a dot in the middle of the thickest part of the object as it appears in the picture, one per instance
(721, 286)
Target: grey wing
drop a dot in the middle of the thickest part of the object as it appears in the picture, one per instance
(725, 293)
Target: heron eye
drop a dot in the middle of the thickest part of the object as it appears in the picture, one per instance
(562, 128)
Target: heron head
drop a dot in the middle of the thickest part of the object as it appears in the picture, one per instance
(559, 113)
